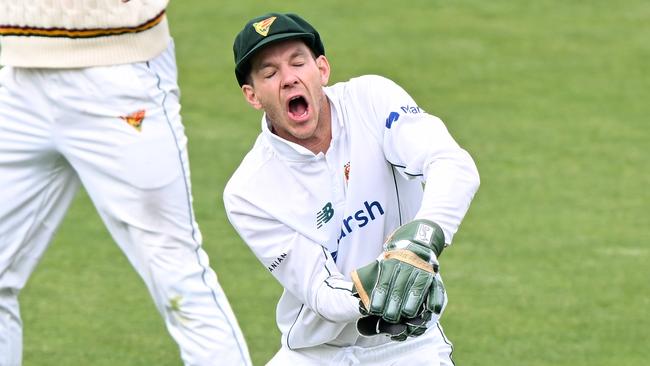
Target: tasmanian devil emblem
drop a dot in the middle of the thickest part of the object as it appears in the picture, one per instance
(135, 119)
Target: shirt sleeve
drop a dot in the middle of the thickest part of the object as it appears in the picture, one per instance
(419, 145)
(304, 268)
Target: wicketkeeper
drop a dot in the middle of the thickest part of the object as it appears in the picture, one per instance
(331, 200)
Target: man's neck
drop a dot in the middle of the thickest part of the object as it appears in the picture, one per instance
(323, 135)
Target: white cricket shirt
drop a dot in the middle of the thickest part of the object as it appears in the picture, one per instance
(312, 219)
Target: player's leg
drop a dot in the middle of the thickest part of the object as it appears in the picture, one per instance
(137, 174)
(312, 356)
(430, 349)
(444, 346)
(36, 188)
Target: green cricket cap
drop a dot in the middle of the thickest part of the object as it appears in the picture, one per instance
(267, 29)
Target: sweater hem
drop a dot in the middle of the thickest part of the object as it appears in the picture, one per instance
(48, 52)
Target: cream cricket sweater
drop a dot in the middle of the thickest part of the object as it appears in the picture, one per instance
(81, 33)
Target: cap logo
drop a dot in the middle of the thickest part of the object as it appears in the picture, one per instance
(262, 27)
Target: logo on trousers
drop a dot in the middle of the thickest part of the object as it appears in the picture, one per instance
(135, 119)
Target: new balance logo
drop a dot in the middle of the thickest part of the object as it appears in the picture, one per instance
(324, 215)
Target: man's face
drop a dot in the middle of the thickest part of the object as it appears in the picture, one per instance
(287, 83)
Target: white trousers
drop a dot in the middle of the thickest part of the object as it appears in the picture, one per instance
(117, 131)
(430, 349)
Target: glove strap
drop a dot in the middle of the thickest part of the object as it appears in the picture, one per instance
(359, 291)
(411, 258)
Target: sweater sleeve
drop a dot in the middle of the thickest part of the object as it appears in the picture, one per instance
(419, 145)
(304, 268)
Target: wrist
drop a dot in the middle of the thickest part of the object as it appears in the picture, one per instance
(423, 237)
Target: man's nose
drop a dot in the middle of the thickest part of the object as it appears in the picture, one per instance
(289, 78)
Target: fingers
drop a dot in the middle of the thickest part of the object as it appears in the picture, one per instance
(436, 297)
(388, 271)
(407, 292)
(416, 294)
(403, 277)
(396, 290)
(401, 291)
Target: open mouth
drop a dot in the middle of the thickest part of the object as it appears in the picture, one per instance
(298, 107)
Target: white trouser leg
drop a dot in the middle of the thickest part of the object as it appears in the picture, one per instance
(138, 179)
(36, 188)
(137, 175)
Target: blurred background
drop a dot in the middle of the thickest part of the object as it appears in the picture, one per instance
(551, 266)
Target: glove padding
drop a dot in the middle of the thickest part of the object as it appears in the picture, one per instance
(396, 285)
(373, 325)
(407, 327)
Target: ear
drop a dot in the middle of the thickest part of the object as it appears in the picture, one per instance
(250, 96)
(324, 68)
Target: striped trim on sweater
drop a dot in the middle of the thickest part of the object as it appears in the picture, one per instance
(8, 30)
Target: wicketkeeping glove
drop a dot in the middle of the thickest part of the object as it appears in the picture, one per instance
(401, 284)
(373, 325)
(407, 327)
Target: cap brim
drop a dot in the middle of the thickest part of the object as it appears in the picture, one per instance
(272, 39)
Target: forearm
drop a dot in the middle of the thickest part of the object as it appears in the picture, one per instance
(304, 268)
(334, 301)
(451, 183)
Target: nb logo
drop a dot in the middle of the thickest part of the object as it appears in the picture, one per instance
(324, 215)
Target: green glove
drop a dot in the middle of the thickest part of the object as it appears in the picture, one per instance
(373, 325)
(400, 283)
(408, 327)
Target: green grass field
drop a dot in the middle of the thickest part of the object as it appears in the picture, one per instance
(551, 265)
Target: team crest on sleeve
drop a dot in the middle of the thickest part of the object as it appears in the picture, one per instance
(135, 119)
(262, 27)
